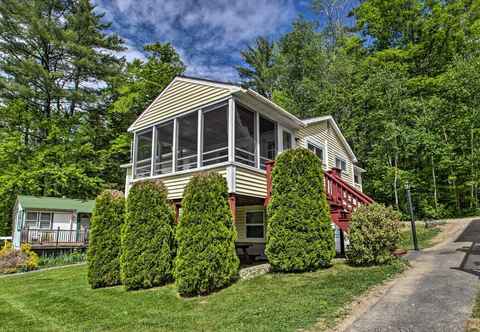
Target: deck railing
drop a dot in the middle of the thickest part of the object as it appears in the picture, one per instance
(341, 196)
(55, 237)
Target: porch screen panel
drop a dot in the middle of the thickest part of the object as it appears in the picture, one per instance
(268, 143)
(244, 136)
(215, 136)
(144, 154)
(187, 142)
(287, 140)
(163, 154)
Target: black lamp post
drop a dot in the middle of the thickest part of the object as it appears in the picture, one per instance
(414, 229)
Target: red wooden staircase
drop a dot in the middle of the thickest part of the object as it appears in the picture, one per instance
(341, 196)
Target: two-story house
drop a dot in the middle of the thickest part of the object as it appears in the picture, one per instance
(197, 125)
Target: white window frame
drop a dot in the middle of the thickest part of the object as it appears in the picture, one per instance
(38, 212)
(231, 104)
(318, 146)
(344, 171)
(201, 119)
(255, 210)
(292, 138)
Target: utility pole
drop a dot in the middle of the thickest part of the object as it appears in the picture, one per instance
(414, 229)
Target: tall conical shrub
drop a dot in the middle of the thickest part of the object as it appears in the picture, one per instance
(148, 243)
(206, 258)
(103, 255)
(300, 236)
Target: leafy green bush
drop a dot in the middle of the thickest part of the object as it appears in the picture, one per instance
(103, 255)
(206, 258)
(374, 234)
(148, 241)
(13, 260)
(63, 259)
(300, 234)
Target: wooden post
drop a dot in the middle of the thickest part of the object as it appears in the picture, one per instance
(232, 201)
(268, 169)
(58, 231)
(177, 212)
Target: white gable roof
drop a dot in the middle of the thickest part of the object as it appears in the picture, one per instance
(187, 93)
(331, 120)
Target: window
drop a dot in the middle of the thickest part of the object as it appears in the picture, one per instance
(144, 154)
(255, 225)
(164, 149)
(244, 136)
(316, 149)
(45, 220)
(187, 142)
(268, 144)
(341, 163)
(41, 220)
(31, 220)
(215, 136)
(356, 178)
(287, 140)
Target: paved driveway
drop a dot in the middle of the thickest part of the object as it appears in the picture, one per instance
(436, 294)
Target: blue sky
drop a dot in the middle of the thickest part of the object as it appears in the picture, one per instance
(208, 34)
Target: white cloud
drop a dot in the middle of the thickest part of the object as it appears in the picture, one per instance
(204, 32)
(131, 53)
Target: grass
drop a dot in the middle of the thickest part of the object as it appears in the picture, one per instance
(474, 324)
(425, 236)
(61, 300)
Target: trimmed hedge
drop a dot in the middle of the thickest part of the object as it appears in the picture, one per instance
(206, 259)
(148, 243)
(300, 236)
(374, 234)
(103, 255)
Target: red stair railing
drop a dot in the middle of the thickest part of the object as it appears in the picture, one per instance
(341, 196)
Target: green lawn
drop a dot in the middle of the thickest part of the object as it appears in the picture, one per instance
(424, 236)
(474, 324)
(61, 300)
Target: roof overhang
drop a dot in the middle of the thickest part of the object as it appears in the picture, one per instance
(269, 108)
(331, 121)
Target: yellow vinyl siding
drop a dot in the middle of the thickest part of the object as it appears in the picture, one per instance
(250, 183)
(320, 133)
(176, 183)
(181, 97)
(240, 223)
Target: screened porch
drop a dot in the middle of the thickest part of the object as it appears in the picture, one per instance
(223, 133)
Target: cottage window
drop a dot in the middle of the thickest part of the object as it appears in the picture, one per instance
(144, 154)
(341, 164)
(164, 149)
(287, 140)
(255, 225)
(268, 144)
(215, 136)
(244, 136)
(316, 149)
(187, 142)
(45, 220)
(31, 220)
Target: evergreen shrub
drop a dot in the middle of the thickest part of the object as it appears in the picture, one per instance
(148, 237)
(206, 258)
(103, 253)
(300, 236)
